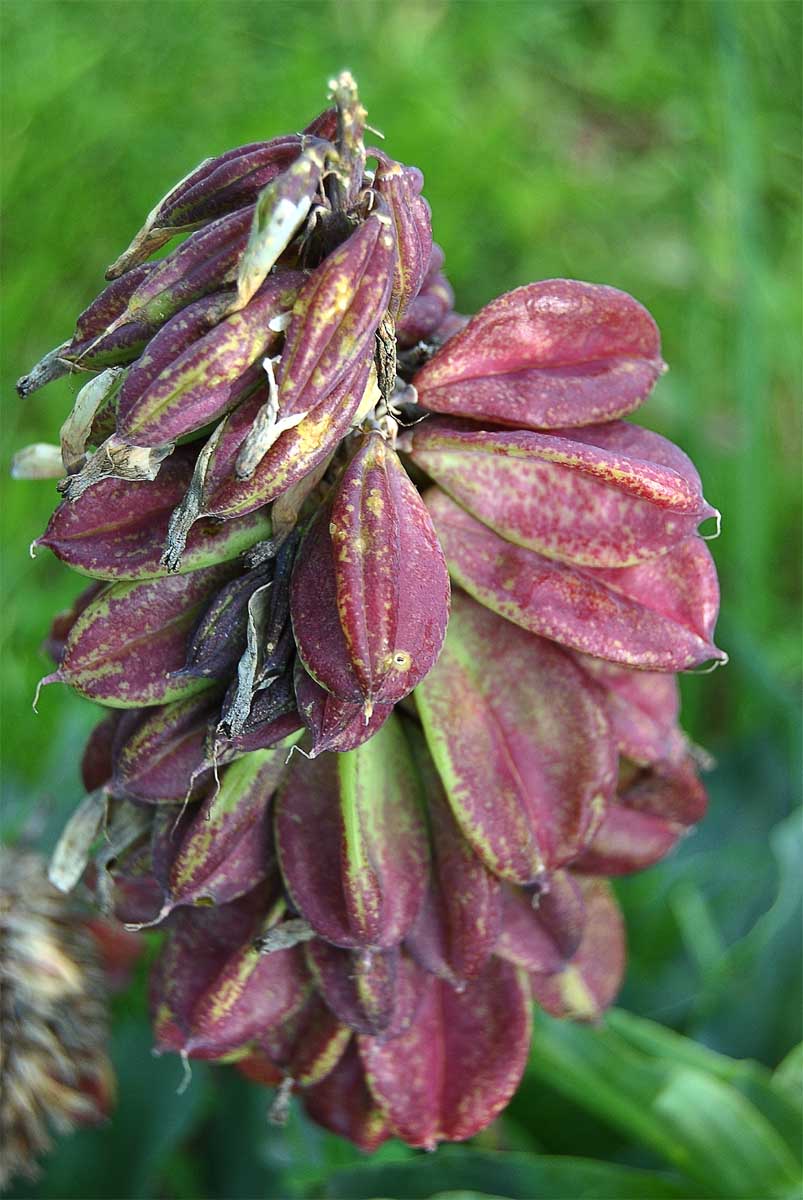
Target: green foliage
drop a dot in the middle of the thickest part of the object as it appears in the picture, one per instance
(723, 1123)
(648, 145)
(492, 1174)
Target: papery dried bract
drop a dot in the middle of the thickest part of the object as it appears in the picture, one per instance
(220, 638)
(336, 315)
(272, 718)
(280, 210)
(99, 395)
(51, 366)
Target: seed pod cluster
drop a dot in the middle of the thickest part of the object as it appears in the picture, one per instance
(374, 811)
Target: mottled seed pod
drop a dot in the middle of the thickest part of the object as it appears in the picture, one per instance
(370, 596)
(218, 186)
(547, 355)
(412, 220)
(517, 691)
(128, 644)
(352, 844)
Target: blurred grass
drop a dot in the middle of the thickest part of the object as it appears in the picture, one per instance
(647, 144)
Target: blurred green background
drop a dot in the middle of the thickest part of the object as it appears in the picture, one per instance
(650, 145)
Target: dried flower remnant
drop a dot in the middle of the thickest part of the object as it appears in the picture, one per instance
(54, 1072)
(373, 810)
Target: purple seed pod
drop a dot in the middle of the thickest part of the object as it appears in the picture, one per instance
(370, 594)
(303, 1048)
(334, 724)
(336, 315)
(460, 1061)
(163, 761)
(216, 490)
(460, 921)
(116, 530)
(203, 263)
(431, 305)
(642, 709)
(91, 325)
(632, 494)
(289, 444)
(111, 304)
(195, 961)
(324, 126)
(97, 762)
(543, 929)
(55, 643)
(117, 348)
(106, 333)
(588, 984)
(193, 369)
(252, 994)
(220, 637)
(342, 1103)
(352, 844)
(225, 849)
(218, 186)
(372, 992)
(647, 818)
(401, 186)
(551, 354)
(657, 615)
(515, 691)
(128, 644)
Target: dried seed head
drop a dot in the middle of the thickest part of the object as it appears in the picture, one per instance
(54, 1071)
